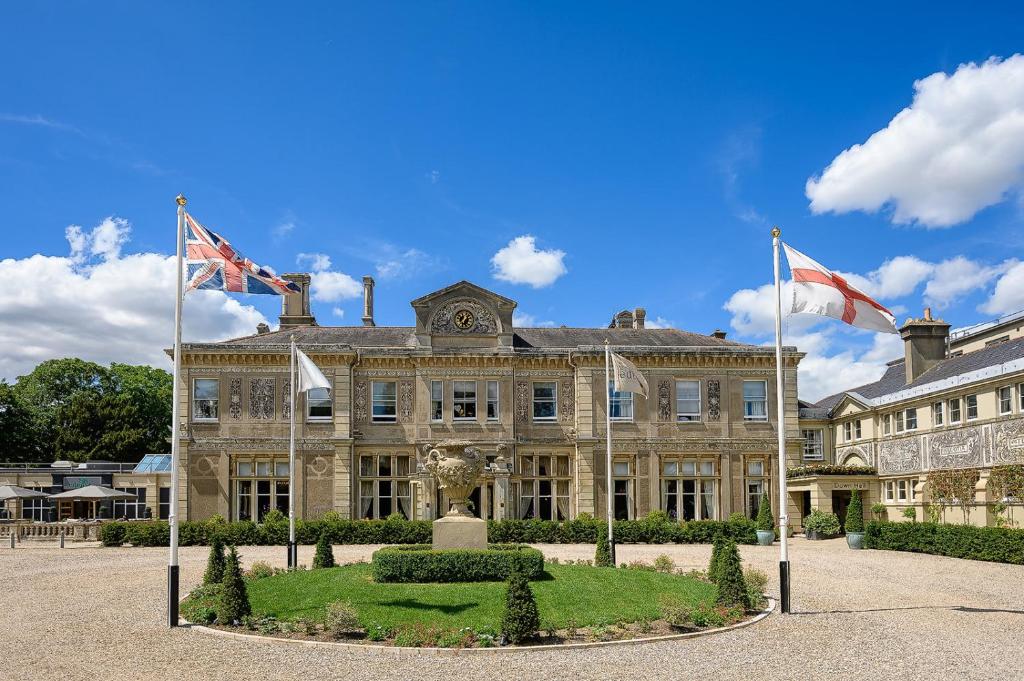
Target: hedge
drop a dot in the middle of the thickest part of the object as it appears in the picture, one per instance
(420, 563)
(397, 531)
(996, 544)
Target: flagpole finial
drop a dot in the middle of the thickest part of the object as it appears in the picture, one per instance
(776, 232)
(180, 199)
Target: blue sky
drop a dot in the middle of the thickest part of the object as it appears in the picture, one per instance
(647, 149)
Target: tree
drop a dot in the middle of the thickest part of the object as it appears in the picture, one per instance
(765, 520)
(216, 563)
(732, 589)
(855, 513)
(603, 550)
(234, 598)
(19, 441)
(954, 488)
(108, 427)
(520, 619)
(324, 557)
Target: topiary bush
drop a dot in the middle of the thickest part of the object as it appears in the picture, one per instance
(765, 520)
(910, 513)
(822, 522)
(324, 557)
(995, 544)
(714, 564)
(421, 563)
(113, 534)
(215, 563)
(603, 549)
(855, 513)
(234, 598)
(732, 589)
(520, 619)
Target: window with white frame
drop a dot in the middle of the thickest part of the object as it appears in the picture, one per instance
(911, 419)
(856, 430)
(954, 410)
(384, 397)
(887, 424)
(972, 407)
(545, 399)
(131, 509)
(688, 488)
(205, 399)
(899, 491)
(1005, 395)
(319, 406)
(384, 486)
(847, 431)
(545, 485)
(36, 508)
(436, 401)
(755, 480)
(260, 485)
(813, 445)
(1020, 397)
(620, 403)
(492, 401)
(688, 400)
(937, 413)
(623, 472)
(755, 400)
(899, 421)
(464, 401)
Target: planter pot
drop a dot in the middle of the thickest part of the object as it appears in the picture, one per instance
(765, 537)
(814, 534)
(855, 540)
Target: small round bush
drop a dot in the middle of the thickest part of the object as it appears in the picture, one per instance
(822, 522)
(341, 619)
(274, 516)
(910, 513)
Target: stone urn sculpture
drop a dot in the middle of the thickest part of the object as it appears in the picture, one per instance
(456, 465)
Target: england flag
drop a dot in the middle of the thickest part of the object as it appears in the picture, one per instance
(213, 264)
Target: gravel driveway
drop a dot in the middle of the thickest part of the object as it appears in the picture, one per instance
(95, 613)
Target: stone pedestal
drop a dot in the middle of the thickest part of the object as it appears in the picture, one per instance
(459, 532)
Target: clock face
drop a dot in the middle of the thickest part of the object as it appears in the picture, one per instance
(464, 319)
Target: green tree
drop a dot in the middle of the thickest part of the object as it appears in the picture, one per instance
(149, 390)
(765, 520)
(520, 619)
(108, 427)
(19, 441)
(855, 513)
(216, 563)
(732, 589)
(603, 550)
(324, 557)
(234, 598)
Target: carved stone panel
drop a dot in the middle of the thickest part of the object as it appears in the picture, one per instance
(405, 401)
(1008, 442)
(566, 401)
(522, 401)
(899, 456)
(359, 402)
(286, 399)
(664, 400)
(261, 398)
(956, 448)
(481, 320)
(235, 398)
(714, 399)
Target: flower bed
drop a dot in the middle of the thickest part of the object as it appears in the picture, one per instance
(828, 469)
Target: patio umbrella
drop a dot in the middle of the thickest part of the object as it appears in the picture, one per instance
(8, 492)
(93, 493)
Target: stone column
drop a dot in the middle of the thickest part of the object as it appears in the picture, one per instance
(501, 490)
(725, 500)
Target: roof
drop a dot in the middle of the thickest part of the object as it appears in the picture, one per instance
(94, 493)
(15, 492)
(154, 463)
(894, 378)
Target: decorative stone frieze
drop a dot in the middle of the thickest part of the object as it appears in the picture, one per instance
(522, 401)
(235, 399)
(714, 399)
(960, 448)
(1008, 442)
(664, 400)
(899, 456)
(405, 401)
(359, 402)
(261, 398)
(286, 399)
(482, 321)
(567, 401)
(232, 444)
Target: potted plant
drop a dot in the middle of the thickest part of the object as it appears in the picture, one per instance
(821, 525)
(855, 521)
(765, 522)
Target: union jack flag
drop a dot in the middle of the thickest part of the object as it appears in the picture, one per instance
(213, 264)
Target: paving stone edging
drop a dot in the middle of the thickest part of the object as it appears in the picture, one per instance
(400, 651)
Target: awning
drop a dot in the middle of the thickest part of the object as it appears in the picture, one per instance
(15, 492)
(91, 493)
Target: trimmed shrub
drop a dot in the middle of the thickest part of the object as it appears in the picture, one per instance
(878, 510)
(341, 619)
(520, 619)
(855, 513)
(274, 516)
(910, 513)
(324, 557)
(765, 520)
(732, 590)
(215, 563)
(261, 569)
(756, 582)
(994, 544)
(822, 522)
(603, 549)
(113, 534)
(421, 563)
(234, 598)
(714, 565)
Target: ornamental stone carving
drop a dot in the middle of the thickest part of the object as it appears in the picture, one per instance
(664, 400)
(261, 398)
(482, 321)
(456, 465)
(522, 401)
(959, 448)
(567, 401)
(899, 456)
(714, 399)
(286, 399)
(405, 401)
(1008, 442)
(359, 402)
(235, 399)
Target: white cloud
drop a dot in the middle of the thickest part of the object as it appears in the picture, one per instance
(318, 262)
(327, 286)
(520, 262)
(526, 320)
(958, 148)
(402, 265)
(338, 312)
(896, 277)
(1008, 295)
(659, 323)
(104, 308)
(958, 276)
(283, 228)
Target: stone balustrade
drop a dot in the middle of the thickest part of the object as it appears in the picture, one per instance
(75, 531)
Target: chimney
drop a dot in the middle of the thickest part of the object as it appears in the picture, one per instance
(719, 334)
(262, 328)
(368, 301)
(622, 320)
(924, 343)
(639, 315)
(295, 305)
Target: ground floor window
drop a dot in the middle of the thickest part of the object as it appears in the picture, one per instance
(260, 485)
(165, 503)
(36, 509)
(623, 485)
(545, 485)
(688, 489)
(755, 482)
(899, 491)
(384, 486)
(131, 509)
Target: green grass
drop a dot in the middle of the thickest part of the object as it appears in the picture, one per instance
(586, 595)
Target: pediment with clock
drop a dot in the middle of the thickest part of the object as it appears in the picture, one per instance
(464, 315)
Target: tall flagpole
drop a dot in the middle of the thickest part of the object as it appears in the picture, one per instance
(172, 517)
(292, 547)
(608, 463)
(781, 407)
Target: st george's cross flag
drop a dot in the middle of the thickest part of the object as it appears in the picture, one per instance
(628, 378)
(818, 290)
(310, 376)
(213, 264)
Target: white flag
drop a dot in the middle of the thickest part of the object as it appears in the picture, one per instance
(628, 378)
(309, 375)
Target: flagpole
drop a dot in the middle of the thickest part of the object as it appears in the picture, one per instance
(608, 463)
(172, 516)
(781, 407)
(292, 547)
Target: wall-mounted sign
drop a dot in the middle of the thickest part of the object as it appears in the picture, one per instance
(80, 481)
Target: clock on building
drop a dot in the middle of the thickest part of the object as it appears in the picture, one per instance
(464, 319)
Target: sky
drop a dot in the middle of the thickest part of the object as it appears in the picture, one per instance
(579, 158)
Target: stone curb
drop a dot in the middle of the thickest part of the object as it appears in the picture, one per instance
(399, 651)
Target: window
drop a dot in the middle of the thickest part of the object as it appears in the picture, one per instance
(464, 401)
(436, 400)
(544, 486)
(385, 401)
(1005, 400)
(544, 398)
(954, 410)
(847, 431)
(1020, 396)
(972, 407)
(165, 503)
(890, 490)
(813, 445)
(492, 400)
(755, 484)
(688, 489)
(318, 404)
(36, 508)
(205, 399)
(755, 400)
(911, 419)
(622, 486)
(621, 404)
(937, 413)
(899, 422)
(384, 486)
(131, 509)
(901, 490)
(856, 430)
(688, 400)
(260, 486)
(887, 424)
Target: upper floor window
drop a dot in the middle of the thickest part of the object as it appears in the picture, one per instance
(205, 399)
(813, 445)
(972, 407)
(954, 410)
(847, 431)
(899, 421)
(1005, 400)
(318, 404)
(1020, 396)
(385, 401)
(688, 400)
(755, 400)
(436, 400)
(492, 400)
(937, 413)
(856, 430)
(911, 419)
(464, 401)
(544, 401)
(620, 403)
(887, 424)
